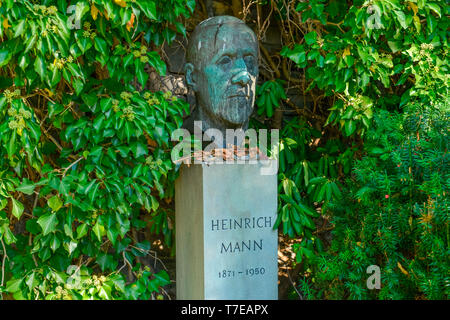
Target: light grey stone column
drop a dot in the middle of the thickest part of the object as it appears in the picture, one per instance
(226, 247)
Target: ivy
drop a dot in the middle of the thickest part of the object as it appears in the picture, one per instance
(85, 151)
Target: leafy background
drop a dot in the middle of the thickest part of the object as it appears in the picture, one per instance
(359, 90)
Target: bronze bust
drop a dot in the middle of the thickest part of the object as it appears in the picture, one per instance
(222, 69)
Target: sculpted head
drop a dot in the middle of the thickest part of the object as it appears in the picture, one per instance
(222, 69)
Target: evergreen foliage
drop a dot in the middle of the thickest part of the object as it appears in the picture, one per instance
(85, 153)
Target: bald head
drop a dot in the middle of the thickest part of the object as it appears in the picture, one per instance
(208, 37)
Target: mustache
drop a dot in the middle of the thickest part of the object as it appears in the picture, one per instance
(244, 92)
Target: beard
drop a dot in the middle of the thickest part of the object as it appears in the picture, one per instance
(235, 111)
(228, 107)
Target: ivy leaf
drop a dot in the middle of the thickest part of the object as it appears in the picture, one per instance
(350, 127)
(98, 230)
(142, 76)
(298, 55)
(435, 7)
(19, 28)
(106, 261)
(100, 45)
(401, 18)
(162, 277)
(55, 203)
(311, 37)
(26, 187)
(30, 43)
(80, 10)
(7, 234)
(31, 281)
(39, 67)
(395, 46)
(139, 149)
(149, 8)
(48, 222)
(70, 246)
(13, 285)
(5, 56)
(82, 230)
(55, 243)
(17, 208)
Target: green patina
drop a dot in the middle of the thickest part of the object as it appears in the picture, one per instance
(222, 69)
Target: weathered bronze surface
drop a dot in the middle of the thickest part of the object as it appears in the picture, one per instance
(222, 69)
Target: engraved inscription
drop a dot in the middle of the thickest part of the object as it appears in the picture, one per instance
(241, 223)
(241, 246)
(249, 272)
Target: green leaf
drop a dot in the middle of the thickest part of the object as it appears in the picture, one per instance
(48, 222)
(55, 243)
(30, 43)
(70, 246)
(17, 208)
(54, 109)
(98, 230)
(139, 149)
(434, 7)
(39, 67)
(106, 261)
(330, 58)
(127, 60)
(163, 278)
(31, 281)
(5, 56)
(55, 203)
(105, 104)
(26, 187)
(82, 230)
(149, 8)
(7, 234)
(80, 10)
(100, 45)
(142, 76)
(395, 45)
(3, 204)
(191, 5)
(13, 285)
(401, 18)
(350, 127)
(298, 56)
(19, 28)
(77, 85)
(311, 37)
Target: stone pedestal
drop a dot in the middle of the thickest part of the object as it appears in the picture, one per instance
(226, 247)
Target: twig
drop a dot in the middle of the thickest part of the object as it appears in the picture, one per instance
(293, 284)
(270, 61)
(74, 163)
(287, 74)
(165, 292)
(149, 252)
(3, 262)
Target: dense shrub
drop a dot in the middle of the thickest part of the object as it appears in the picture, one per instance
(85, 154)
(85, 148)
(395, 211)
(382, 67)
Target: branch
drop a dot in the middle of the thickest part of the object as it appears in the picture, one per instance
(270, 61)
(74, 163)
(3, 262)
(287, 75)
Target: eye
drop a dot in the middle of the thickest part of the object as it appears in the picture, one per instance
(249, 60)
(224, 61)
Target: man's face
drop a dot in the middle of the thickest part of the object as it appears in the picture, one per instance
(228, 75)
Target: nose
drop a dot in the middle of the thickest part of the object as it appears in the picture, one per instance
(242, 77)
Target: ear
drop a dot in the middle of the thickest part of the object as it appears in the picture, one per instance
(189, 73)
